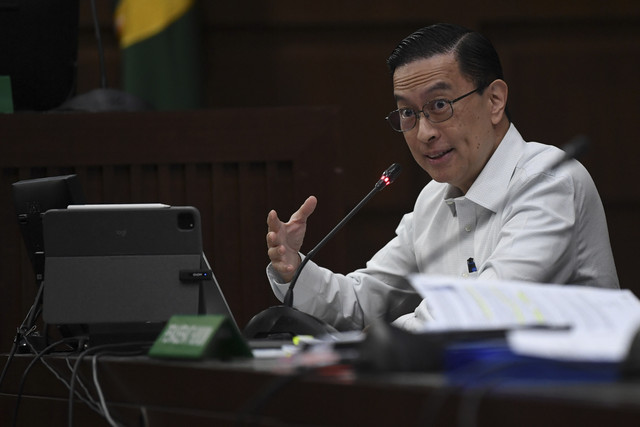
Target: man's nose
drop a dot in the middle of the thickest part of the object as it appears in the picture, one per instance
(426, 129)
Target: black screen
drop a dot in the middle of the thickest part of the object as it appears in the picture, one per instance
(32, 198)
(38, 50)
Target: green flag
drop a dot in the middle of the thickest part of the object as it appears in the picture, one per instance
(160, 52)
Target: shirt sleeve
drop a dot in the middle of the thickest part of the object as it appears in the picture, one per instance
(352, 301)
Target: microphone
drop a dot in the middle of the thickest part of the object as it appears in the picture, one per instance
(573, 149)
(286, 321)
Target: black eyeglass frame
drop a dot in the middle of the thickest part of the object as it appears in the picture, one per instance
(426, 115)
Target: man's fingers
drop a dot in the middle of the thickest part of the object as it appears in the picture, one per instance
(273, 222)
(275, 253)
(279, 260)
(272, 239)
(305, 210)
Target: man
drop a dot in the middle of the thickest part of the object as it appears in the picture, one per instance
(496, 208)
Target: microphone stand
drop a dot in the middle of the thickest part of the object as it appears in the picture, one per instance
(286, 321)
(103, 98)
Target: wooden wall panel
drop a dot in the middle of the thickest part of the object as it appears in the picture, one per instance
(233, 178)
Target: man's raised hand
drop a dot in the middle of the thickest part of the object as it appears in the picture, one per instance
(284, 239)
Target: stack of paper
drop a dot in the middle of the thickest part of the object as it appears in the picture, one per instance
(574, 323)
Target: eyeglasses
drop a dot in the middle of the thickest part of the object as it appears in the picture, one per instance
(436, 111)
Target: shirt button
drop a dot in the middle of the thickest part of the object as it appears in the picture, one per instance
(465, 274)
(467, 227)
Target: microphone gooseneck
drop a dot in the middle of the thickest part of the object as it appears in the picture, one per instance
(284, 320)
(574, 149)
(387, 178)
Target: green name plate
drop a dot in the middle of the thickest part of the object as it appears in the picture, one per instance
(199, 337)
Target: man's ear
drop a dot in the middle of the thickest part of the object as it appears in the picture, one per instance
(498, 93)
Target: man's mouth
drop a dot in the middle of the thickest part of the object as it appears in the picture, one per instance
(439, 155)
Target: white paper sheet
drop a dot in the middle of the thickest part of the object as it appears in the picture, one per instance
(600, 322)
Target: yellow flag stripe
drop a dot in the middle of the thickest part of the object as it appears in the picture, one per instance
(137, 20)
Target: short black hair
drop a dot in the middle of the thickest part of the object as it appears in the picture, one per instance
(476, 56)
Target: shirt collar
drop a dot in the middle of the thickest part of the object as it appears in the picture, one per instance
(491, 185)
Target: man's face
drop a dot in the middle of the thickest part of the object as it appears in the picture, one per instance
(456, 150)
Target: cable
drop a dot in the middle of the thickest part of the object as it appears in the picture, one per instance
(96, 25)
(472, 395)
(434, 404)
(473, 372)
(96, 382)
(76, 366)
(103, 403)
(479, 383)
(72, 382)
(26, 372)
(253, 407)
(35, 309)
(84, 387)
(70, 385)
(24, 330)
(470, 401)
(26, 327)
(88, 399)
(12, 353)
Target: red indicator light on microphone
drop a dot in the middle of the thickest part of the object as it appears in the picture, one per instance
(388, 176)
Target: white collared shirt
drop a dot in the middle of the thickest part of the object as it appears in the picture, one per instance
(520, 220)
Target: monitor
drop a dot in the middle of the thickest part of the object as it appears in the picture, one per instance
(34, 197)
